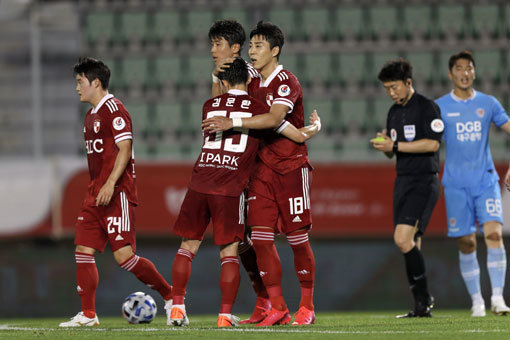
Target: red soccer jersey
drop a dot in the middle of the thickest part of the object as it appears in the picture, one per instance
(227, 158)
(278, 152)
(105, 125)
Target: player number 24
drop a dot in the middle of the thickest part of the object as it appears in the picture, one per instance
(229, 145)
(112, 223)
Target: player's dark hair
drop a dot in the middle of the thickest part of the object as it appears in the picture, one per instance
(92, 69)
(393, 70)
(237, 73)
(272, 33)
(230, 30)
(461, 55)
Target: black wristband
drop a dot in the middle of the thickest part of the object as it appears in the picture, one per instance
(395, 146)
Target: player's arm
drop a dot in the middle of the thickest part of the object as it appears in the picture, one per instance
(305, 133)
(506, 127)
(105, 194)
(418, 146)
(269, 120)
(217, 87)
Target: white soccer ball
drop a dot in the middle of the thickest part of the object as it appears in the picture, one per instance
(139, 308)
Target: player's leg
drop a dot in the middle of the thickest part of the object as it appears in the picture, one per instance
(191, 224)
(293, 196)
(227, 214)
(181, 271)
(229, 284)
(460, 211)
(496, 265)
(490, 216)
(89, 237)
(304, 265)
(118, 220)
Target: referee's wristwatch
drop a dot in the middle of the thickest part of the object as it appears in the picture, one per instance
(395, 146)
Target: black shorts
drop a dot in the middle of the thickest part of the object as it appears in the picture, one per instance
(414, 199)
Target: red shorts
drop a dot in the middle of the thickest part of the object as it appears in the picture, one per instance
(273, 196)
(227, 214)
(115, 223)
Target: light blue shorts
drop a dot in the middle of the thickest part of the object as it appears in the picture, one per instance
(466, 206)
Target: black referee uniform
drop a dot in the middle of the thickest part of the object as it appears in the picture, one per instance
(416, 187)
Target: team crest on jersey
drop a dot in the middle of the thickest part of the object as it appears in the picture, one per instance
(409, 132)
(119, 123)
(393, 135)
(97, 125)
(284, 90)
(480, 112)
(453, 222)
(269, 99)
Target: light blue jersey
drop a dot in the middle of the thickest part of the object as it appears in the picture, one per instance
(466, 135)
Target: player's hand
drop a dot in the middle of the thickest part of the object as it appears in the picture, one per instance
(222, 65)
(507, 180)
(105, 194)
(384, 146)
(216, 123)
(315, 120)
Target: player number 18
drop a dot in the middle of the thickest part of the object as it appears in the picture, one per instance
(296, 205)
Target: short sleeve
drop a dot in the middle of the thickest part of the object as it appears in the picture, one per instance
(433, 125)
(121, 126)
(287, 91)
(499, 115)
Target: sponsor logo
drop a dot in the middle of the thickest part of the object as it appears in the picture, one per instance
(94, 145)
(269, 99)
(84, 130)
(409, 132)
(480, 112)
(296, 219)
(452, 222)
(79, 289)
(453, 114)
(437, 125)
(284, 90)
(80, 218)
(393, 134)
(97, 125)
(262, 274)
(119, 238)
(475, 126)
(119, 123)
(303, 272)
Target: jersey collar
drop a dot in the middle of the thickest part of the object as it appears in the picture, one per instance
(237, 92)
(105, 98)
(271, 77)
(460, 100)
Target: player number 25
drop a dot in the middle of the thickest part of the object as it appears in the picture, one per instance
(229, 145)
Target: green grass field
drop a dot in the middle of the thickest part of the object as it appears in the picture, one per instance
(446, 324)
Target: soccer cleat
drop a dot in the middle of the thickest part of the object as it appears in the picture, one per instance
(80, 320)
(168, 310)
(225, 321)
(478, 310)
(275, 317)
(260, 312)
(178, 316)
(498, 306)
(421, 309)
(303, 316)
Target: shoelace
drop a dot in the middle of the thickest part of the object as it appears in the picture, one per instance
(265, 311)
(300, 313)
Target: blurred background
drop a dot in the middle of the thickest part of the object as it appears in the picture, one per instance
(158, 52)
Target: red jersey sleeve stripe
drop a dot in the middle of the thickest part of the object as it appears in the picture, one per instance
(284, 101)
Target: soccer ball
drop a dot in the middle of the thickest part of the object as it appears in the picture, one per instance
(139, 308)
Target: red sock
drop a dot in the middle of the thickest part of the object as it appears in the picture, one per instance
(181, 270)
(269, 265)
(87, 279)
(146, 272)
(229, 282)
(304, 264)
(249, 261)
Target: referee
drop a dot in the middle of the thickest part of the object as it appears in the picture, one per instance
(415, 127)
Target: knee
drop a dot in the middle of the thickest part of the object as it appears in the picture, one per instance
(85, 250)
(123, 254)
(467, 245)
(494, 236)
(403, 243)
